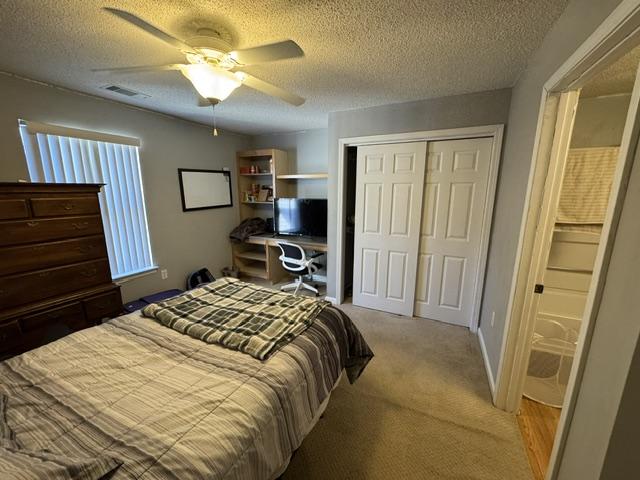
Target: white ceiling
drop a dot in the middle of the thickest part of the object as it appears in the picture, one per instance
(359, 53)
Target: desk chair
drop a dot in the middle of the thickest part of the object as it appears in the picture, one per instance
(294, 260)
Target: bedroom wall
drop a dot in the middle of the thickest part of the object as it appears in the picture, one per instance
(307, 153)
(578, 21)
(181, 242)
(483, 108)
(600, 121)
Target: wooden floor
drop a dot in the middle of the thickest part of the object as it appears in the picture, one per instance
(538, 424)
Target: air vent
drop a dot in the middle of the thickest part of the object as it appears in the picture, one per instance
(125, 91)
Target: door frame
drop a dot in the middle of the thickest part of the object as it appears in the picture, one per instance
(611, 40)
(486, 131)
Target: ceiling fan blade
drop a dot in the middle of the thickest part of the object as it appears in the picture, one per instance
(147, 27)
(139, 69)
(269, 89)
(267, 53)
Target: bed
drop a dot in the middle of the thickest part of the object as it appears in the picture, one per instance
(134, 399)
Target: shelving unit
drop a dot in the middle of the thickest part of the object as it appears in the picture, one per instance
(303, 176)
(253, 259)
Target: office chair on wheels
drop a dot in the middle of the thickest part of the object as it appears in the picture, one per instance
(294, 260)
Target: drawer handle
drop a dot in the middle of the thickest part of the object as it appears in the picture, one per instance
(80, 225)
(84, 249)
(44, 274)
(68, 206)
(33, 224)
(90, 272)
(37, 248)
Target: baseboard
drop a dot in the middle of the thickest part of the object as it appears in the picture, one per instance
(487, 365)
(333, 300)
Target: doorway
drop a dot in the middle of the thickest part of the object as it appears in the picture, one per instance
(594, 138)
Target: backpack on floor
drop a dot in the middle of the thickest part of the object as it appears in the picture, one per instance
(199, 277)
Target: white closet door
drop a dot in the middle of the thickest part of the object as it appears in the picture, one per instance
(389, 187)
(453, 207)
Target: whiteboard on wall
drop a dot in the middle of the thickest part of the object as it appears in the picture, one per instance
(201, 189)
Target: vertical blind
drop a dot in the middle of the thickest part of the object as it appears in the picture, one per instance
(59, 155)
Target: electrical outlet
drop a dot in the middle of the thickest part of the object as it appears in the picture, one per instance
(493, 318)
(164, 274)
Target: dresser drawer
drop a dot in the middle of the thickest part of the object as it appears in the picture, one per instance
(10, 336)
(11, 208)
(59, 206)
(31, 231)
(70, 315)
(108, 305)
(44, 255)
(41, 284)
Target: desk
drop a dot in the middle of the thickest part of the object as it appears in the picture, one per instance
(310, 243)
(258, 255)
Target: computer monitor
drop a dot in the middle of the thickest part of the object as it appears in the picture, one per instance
(300, 216)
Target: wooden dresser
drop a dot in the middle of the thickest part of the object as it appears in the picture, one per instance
(54, 270)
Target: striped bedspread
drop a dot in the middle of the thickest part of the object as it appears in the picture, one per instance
(168, 406)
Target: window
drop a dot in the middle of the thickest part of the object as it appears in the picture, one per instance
(64, 155)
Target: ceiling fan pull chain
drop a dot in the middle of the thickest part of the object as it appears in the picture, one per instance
(213, 111)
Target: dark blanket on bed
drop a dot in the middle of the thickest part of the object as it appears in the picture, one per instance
(238, 315)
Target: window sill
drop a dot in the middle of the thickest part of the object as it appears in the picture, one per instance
(135, 275)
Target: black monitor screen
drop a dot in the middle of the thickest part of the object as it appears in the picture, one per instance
(300, 216)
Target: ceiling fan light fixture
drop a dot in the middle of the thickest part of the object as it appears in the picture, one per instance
(210, 82)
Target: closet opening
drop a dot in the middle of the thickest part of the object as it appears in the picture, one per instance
(350, 219)
(414, 206)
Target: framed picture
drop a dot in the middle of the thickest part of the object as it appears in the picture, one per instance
(202, 189)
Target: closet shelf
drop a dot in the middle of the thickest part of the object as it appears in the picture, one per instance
(303, 176)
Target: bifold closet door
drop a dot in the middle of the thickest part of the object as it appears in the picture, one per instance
(389, 184)
(453, 208)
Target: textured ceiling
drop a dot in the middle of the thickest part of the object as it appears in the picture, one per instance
(359, 53)
(616, 79)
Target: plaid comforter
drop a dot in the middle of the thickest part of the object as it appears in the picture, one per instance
(168, 406)
(241, 316)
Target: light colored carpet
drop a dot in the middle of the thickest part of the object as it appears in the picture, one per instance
(421, 410)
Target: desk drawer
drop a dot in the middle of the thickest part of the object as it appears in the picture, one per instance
(10, 336)
(42, 284)
(31, 231)
(11, 208)
(108, 305)
(70, 315)
(55, 207)
(44, 255)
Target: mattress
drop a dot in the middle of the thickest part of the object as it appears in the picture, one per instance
(169, 406)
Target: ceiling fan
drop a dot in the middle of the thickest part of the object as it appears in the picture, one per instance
(213, 67)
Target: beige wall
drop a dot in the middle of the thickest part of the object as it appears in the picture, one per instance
(307, 153)
(600, 121)
(181, 242)
(484, 108)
